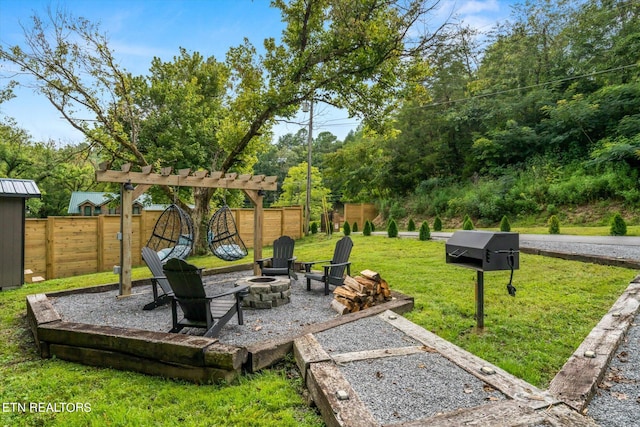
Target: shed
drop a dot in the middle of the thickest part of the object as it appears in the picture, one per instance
(13, 193)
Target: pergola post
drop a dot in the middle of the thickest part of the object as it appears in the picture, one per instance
(126, 227)
(258, 217)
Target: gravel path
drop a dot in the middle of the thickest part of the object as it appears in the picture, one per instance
(617, 401)
(402, 388)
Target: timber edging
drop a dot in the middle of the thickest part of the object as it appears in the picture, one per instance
(593, 259)
(192, 358)
(578, 379)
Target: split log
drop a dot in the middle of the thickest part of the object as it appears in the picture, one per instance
(360, 292)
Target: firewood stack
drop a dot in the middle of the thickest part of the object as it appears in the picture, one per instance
(360, 292)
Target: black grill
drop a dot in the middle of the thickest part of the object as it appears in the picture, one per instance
(484, 250)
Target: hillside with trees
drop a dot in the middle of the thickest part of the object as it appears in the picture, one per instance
(544, 115)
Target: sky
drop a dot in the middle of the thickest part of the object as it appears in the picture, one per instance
(139, 30)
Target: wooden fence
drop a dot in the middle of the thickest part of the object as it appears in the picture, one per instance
(68, 246)
(359, 212)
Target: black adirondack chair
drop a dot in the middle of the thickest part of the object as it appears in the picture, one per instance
(151, 258)
(333, 273)
(200, 310)
(282, 261)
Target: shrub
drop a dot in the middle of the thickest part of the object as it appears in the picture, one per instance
(314, 227)
(504, 224)
(366, 231)
(411, 226)
(392, 228)
(618, 226)
(373, 226)
(425, 233)
(355, 227)
(437, 224)
(554, 225)
(346, 228)
(467, 224)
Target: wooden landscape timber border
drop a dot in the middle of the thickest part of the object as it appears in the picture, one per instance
(577, 381)
(192, 358)
(525, 404)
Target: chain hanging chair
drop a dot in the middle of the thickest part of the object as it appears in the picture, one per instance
(172, 235)
(223, 237)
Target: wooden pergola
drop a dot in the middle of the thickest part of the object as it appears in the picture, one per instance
(252, 185)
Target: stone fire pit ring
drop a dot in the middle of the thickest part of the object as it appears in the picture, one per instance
(266, 291)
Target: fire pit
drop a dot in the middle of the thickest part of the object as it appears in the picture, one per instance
(266, 292)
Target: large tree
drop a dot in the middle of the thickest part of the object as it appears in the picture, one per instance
(353, 54)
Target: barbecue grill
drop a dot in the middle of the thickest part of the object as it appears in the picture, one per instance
(484, 251)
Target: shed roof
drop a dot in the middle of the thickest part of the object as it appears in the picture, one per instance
(25, 188)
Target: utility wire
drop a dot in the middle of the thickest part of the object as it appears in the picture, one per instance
(484, 95)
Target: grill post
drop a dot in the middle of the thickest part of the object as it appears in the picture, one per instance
(480, 300)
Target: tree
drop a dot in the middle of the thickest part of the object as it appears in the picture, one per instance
(425, 233)
(392, 228)
(618, 225)
(347, 228)
(294, 190)
(353, 55)
(366, 231)
(554, 225)
(504, 224)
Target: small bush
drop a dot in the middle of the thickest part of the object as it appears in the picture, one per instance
(425, 233)
(437, 224)
(411, 226)
(355, 227)
(366, 231)
(554, 225)
(468, 224)
(314, 227)
(618, 226)
(392, 228)
(373, 226)
(346, 228)
(504, 224)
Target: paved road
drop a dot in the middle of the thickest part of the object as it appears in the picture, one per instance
(621, 247)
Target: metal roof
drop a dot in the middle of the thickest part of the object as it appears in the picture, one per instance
(97, 198)
(25, 188)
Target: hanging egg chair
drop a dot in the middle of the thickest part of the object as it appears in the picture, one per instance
(172, 236)
(223, 237)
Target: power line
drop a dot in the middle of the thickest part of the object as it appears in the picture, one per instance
(484, 95)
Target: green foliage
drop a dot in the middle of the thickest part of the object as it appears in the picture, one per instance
(505, 225)
(554, 225)
(437, 224)
(355, 227)
(373, 226)
(294, 190)
(346, 228)
(618, 225)
(425, 233)
(411, 226)
(468, 224)
(314, 227)
(392, 228)
(366, 231)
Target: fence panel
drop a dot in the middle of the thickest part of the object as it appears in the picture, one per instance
(68, 246)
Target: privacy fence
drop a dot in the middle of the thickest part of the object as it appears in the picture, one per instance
(68, 246)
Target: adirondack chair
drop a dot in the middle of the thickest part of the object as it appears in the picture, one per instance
(333, 273)
(200, 310)
(282, 261)
(151, 258)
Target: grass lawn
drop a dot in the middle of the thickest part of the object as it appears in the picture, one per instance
(531, 336)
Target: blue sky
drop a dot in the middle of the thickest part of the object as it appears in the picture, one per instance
(138, 30)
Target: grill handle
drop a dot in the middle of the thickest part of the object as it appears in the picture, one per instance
(455, 253)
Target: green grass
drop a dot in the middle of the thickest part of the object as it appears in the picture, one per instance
(532, 335)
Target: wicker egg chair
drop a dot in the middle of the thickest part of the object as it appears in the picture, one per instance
(172, 235)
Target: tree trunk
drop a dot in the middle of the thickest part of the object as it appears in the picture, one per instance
(200, 216)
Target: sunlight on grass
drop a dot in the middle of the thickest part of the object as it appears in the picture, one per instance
(531, 336)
